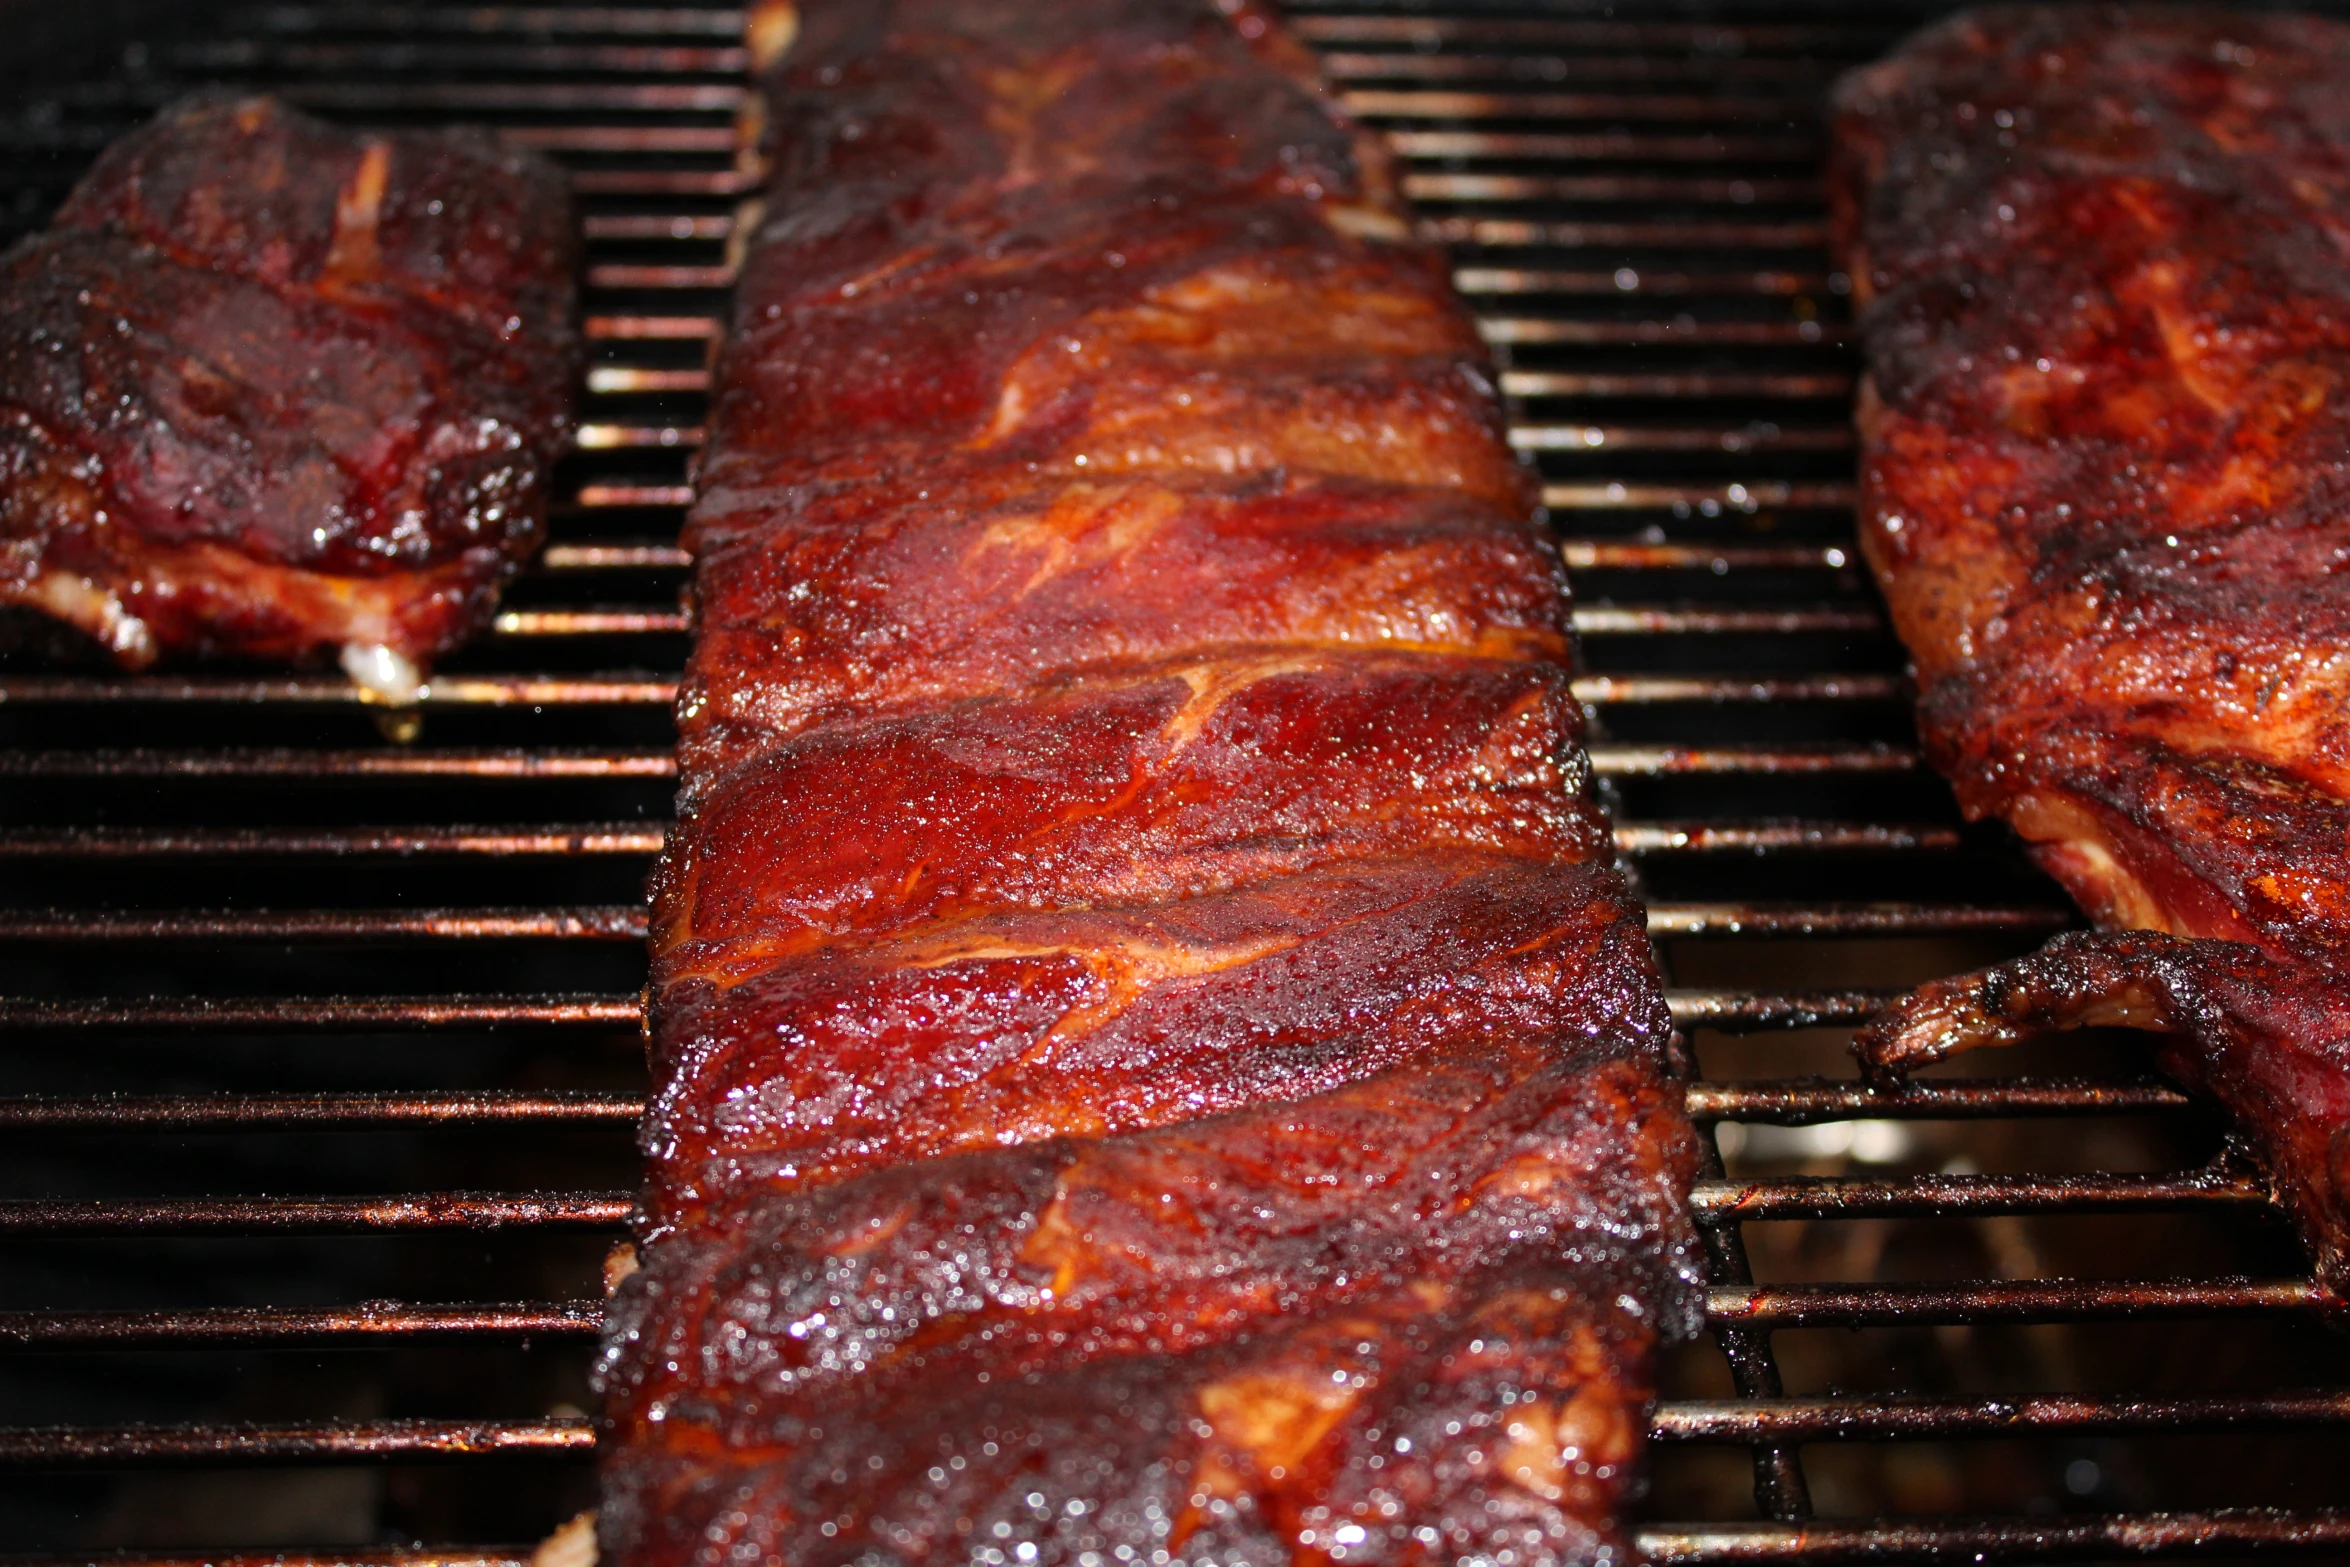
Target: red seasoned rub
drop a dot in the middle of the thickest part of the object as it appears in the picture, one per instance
(2106, 253)
(276, 390)
(1153, 1058)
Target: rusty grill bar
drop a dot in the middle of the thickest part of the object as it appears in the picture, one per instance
(1636, 210)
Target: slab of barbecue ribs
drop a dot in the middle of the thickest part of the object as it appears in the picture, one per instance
(1153, 1059)
(275, 390)
(2106, 488)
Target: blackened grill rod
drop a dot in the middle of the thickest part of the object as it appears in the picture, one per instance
(2001, 1300)
(1811, 1101)
(595, 497)
(1628, 146)
(1667, 919)
(653, 21)
(278, 54)
(656, 225)
(448, 1211)
(1966, 1196)
(1634, 555)
(1606, 69)
(616, 139)
(1638, 839)
(313, 1014)
(646, 690)
(627, 922)
(1715, 1201)
(371, 1440)
(519, 766)
(661, 329)
(1554, 330)
(1699, 190)
(620, 838)
(1631, 761)
(1740, 1421)
(1693, 384)
(371, 1322)
(662, 182)
(1677, 108)
(1858, 40)
(1510, 233)
(158, 842)
(314, 1112)
(617, 557)
(1795, 1306)
(1835, 1543)
(1797, 1103)
(1729, 1010)
(1722, 499)
(585, 922)
(1648, 761)
(1733, 439)
(1940, 1419)
(1741, 1011)
(2142, 1536)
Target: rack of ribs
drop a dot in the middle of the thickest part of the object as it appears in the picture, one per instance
(1153, 1059)
(274, 390)
(2105, 253)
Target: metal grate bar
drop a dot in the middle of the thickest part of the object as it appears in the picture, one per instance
(1642, 282)
(1849, 919)
(622, 689)
(465, 1211)
(1935, 1419)
(1967, 1196)
(1679, 108)
(145, 843)
(2005, 1300)
(1715, 1201)
(373, 1322)
(1803, 1420)
(653, 21)
(1582, 33)
(613, 922)
(1628, 146)
(500, 766)
(308, 1014)
(1806, 1102)
(1705, 499)
(1798, 1103)
(1606, 69)
(312, 1112)
(1510, 233)
(1545, 330)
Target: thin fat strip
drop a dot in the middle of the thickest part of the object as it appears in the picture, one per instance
(1153, 1058)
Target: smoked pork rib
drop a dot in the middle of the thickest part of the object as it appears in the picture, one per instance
(1153, 1060)
(2106, 254)
(277, 390)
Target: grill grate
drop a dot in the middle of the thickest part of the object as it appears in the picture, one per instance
(251, 921)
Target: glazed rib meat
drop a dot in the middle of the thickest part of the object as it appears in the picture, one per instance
(1153, 1058)
(275, 390)
(2106, 252)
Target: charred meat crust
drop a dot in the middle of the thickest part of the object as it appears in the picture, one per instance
(2106, 257)
(1153, 1057)
(272, 389)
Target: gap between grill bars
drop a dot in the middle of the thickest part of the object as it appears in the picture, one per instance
(1635, 210)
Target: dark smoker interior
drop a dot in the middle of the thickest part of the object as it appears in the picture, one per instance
(319, 1056)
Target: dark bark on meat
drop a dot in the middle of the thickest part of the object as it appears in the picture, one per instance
(275, 390)
(2107, 257)
(1153, 1058)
